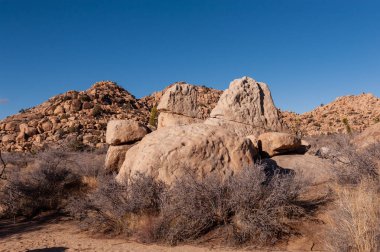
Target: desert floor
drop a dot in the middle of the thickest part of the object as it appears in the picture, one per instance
(49, 234)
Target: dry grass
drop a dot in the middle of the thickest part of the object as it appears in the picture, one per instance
(354, 225)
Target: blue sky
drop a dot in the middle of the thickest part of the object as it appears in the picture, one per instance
(308, 51)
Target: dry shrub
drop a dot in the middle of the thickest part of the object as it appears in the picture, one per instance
(353, 165)
(44, 187)
(253, 207)
(46, 180)
(115, 208)
(354, 225)
(250, 206)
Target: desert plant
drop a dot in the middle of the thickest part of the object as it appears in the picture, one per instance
(153, 116)
(97, 111)
(114, 208)
(4, 166)
(254, 208)
(352, 165)
(347, 125)
(46, 187)
(354, 225)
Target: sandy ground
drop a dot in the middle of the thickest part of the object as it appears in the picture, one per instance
(52, 235)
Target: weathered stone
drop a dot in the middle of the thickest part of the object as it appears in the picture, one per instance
(59, 110)
(247, 108)
(184, 103)
(125, 131)
(47, 126)
(368, 137)
(76, 105)
(169, 119)
(168, 153)
(115, 157)
(275, 143)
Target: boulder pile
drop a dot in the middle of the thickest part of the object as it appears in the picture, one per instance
(121, 136)
(224, 143)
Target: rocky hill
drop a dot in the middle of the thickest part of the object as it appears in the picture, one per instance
(352, 113)
(77, 119)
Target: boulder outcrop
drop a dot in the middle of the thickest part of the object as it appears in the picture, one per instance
(169, 153)
(184, 103)
(275, 143)
(121, 132)
(246, 108)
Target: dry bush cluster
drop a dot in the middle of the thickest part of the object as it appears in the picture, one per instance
(354, 225)
(354, 222)
(248, 208)
(44, 181)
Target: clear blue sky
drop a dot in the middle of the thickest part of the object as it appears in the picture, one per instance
(308, 51)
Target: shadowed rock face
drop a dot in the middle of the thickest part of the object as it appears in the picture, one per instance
(170, 152)
(247, 108)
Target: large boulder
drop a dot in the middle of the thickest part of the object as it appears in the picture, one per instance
(276, 143)
(168, 153)
(184, 103)
(369, 136)
(247, 108)
(115, 157)
(125, 131)
(312, 168)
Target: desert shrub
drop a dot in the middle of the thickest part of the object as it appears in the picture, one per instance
(354, 225)
(44, 187)
(347, 125)
(352, 164)
(115, 208)
(249, 206)
(76, 145)
(153, 117)
(97, 111)
(252, 207)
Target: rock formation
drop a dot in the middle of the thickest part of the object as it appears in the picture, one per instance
(73, 117)
(183, 104)
(354, 113)
(171, 152)
(224, 143)
(275, 143)
(246, 108)
(121, 135)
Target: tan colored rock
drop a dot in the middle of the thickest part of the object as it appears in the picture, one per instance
(275, 143)
(359, 111)
(115, 157)
(169, 119)
(125, 131)
(316, 171)
(184, 103)
(247, 108)
(253, 139)
(169, 153)
(11, 126)
(59, 110)
(368, 137)
(8, 138)
(47, 126)
(76, 105)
